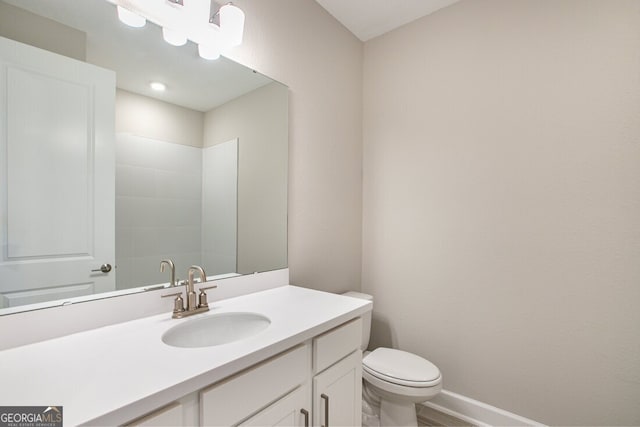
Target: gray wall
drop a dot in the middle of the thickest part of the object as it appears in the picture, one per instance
(502, 202)
(299, 44)
(26, 27)
(259, 120)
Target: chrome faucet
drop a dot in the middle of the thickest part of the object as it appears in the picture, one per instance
(179, 310)
(173, 270)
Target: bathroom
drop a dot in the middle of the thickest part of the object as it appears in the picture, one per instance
(476, 172)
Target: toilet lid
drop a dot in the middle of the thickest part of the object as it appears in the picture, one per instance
(401, 367)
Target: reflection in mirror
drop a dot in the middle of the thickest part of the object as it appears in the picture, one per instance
(101, 169)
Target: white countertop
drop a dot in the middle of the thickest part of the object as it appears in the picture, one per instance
(114, 374)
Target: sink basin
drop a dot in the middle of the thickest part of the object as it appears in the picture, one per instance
(215, 329)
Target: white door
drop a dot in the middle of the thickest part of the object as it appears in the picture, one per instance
(56, 176)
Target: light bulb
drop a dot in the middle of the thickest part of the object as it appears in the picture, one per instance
(173, 37)
(231, 24)
(209, 51)
(130, 18)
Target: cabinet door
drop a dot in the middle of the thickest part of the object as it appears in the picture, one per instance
(292, 410)
(337, 393)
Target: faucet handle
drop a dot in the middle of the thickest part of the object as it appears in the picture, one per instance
(171, 295)
(178, 303)
(202, 298)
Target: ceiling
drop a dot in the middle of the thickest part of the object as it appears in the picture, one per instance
(367, 19)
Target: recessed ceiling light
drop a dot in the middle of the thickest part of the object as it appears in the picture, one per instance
(157, 86)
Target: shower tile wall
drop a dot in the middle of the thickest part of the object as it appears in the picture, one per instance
(158, 209)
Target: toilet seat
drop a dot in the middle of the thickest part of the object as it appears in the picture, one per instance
(401, 368)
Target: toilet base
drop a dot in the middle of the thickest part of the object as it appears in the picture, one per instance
(395, 407)
(369, 417)
(378, 412)
(398, 414)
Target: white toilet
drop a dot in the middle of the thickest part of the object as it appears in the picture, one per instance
(394, 380)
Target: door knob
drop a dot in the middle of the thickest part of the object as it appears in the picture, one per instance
(104, 268)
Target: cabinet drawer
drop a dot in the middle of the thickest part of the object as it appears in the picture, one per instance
(332, 346)
(235, 399)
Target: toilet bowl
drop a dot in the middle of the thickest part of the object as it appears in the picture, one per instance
(399, 380)
(394, 380)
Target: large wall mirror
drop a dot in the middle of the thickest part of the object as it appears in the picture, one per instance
(99, 168)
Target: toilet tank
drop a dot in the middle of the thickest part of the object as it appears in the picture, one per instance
(366, 318)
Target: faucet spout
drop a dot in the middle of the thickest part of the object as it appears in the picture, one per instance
(201, 273)
(191, 293)
(171, 265)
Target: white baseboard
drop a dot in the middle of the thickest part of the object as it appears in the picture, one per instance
(474, 412)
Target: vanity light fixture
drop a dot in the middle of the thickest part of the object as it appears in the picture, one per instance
(231, 24)
(183, 20)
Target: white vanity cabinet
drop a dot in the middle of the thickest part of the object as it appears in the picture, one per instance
(306, 385)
